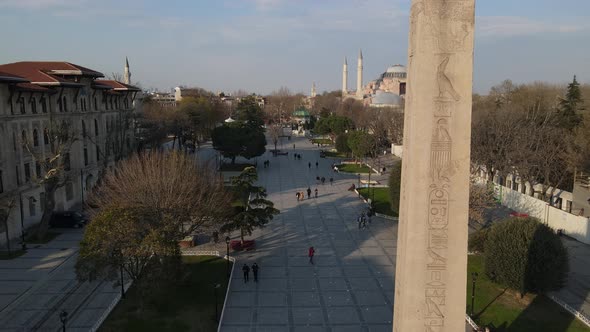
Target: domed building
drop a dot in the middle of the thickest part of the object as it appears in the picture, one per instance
(389, 89)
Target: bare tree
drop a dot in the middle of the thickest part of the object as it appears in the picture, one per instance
(185, 193)
(54, 167)
(7, 203)
(275, 130)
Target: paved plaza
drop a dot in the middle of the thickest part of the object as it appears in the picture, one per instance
(350, 286)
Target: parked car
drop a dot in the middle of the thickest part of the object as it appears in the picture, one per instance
(67, 219)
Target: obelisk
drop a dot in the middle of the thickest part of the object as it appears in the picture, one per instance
(431, 266)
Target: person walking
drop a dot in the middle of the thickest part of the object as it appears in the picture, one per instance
(308, 192)
(323, 180)
(317, 164)
(316, 192)
(331, 181)
(255, 271)
(298, 194)
(246, 271)
(310, 253)
(309, 165)
(293, 146)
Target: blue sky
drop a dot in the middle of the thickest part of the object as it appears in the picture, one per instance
(261, 45)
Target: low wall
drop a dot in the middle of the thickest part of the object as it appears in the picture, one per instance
(578, 227)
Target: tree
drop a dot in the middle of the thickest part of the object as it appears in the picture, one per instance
(275, 130)
(7, 203)
(341, 144)
(395, 181)
(250, 114)
(570, 105)
(361, 143)
(184, 193)
(252, 209)
(54, 165)
(235, 139)
(333, 125)
(525, 255)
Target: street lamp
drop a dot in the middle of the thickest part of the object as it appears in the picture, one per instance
(473, 278)
(63, 317)
(215, 287)
(227, 239)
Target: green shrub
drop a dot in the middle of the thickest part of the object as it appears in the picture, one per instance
(525, 255)
(477, 240)
(395, 181)
(341, 144)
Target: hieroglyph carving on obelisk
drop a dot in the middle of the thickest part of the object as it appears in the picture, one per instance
(432, 236)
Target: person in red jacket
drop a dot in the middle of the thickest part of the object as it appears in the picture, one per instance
(310, 253)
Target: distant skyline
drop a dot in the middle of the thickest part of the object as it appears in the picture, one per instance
(261, 45)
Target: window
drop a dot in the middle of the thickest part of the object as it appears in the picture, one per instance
(95, 127)
(35, 137)
(69, 191)
(97, 153)
(126, 102)
(24, 137)
(27, 172)
(32, 209)
(21, 101)
(45, 136)
(85, 157)
(1, 182)
(38, 169)
(83, 129)
(43, 103)
(33, 105)
(65, 104)
(14, 141)
(60, 104)
(17, 176)
(95, 104)
(106, 103)
(67, 165)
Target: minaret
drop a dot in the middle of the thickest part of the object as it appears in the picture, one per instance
(344, 78)
(313, 92)
(127, 75)
(359, 76)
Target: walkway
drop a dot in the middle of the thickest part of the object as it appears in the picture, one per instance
(350, 287)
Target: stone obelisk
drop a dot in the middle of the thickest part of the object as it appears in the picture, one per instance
(430, 278)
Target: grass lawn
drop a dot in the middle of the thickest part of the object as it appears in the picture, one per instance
(354, 168)
(185, 307)
(322, 141)
(234, 167)
(380, 201)
(508, 312)
(335, 154)
(14, 253)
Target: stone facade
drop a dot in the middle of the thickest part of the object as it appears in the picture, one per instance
(99, 113)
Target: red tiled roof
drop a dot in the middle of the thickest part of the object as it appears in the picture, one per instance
(10, 78)
(118, 86)
(33, 87)
(44, 72)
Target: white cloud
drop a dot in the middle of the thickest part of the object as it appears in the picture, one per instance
(40, 4)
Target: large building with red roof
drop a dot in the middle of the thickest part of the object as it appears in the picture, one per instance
(35, 98)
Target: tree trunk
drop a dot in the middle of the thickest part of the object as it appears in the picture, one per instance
(242, 236)
(7, 237)
(47, 212)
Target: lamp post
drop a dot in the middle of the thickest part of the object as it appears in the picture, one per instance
(227, 240)
(473, 278)
(215, 287)
(63, 317)
(122, 281)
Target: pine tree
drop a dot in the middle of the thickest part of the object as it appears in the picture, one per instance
(570, 105)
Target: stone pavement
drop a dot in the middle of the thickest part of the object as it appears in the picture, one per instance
(350, 286)
(35, 287)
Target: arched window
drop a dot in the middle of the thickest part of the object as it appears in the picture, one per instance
(96, 127)
(21, 101)
(45, 136)
(65, 102)
(35, 137)
(43, 103)
(33, 105)
(83, 129)
(14, 141)
(95, 104)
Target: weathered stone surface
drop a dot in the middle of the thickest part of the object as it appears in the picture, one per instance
(432, 241)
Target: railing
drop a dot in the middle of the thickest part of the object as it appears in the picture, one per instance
(117, 298)
(471, 322)
(573, 311)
